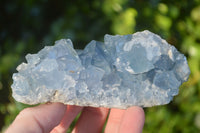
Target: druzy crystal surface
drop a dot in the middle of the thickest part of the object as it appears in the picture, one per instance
(139, 69)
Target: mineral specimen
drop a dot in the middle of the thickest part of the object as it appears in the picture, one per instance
(140, 69)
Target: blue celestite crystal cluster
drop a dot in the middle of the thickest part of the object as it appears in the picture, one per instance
(139, 69)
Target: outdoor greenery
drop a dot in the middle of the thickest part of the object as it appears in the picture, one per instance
(26, 26)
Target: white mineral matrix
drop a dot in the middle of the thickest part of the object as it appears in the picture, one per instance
(140, 69)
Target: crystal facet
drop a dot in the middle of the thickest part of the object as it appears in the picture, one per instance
(139, 69)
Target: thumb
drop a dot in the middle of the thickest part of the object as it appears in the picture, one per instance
(40, 119)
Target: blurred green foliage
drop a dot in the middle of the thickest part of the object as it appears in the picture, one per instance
(26, 26)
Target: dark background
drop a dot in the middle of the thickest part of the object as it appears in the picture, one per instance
(26, 26)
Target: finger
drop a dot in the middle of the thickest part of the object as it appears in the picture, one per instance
(70, 114)
(39, 119)
(91, 120)
(114, 120)
(132, 121)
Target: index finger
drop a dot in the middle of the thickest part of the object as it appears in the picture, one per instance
(40, 119)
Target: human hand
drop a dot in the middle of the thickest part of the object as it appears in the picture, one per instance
(57, 117)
